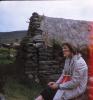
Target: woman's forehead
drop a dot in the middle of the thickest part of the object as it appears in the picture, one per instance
(65, 46)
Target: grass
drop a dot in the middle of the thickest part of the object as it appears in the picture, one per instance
(16, 91)
(6, 55)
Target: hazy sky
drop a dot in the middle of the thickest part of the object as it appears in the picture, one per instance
(14, 14)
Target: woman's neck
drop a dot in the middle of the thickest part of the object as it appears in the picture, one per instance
(70, 56)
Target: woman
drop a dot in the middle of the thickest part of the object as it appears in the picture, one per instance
(73, 82)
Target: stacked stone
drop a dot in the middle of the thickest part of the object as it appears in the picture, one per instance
(35, 40)
(36, 60)
(27, 55)
(48, 67)
(34, 25)
(21, 58)
(31, 59)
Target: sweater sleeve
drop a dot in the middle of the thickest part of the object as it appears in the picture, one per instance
(80, 76)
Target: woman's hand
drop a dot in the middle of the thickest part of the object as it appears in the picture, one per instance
(53, 85)
(50, 83)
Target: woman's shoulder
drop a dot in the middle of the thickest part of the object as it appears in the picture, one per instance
(80, 62)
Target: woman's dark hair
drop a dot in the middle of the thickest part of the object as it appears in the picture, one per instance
(72, 48)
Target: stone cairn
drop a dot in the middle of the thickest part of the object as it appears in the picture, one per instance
(34, 59)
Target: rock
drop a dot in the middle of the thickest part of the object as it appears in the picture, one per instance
(34, 58)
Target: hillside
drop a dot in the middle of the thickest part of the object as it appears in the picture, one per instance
(12, 36)
(74, 31)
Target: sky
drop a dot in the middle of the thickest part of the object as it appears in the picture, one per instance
(14, 15)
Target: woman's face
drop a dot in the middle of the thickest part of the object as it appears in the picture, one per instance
(66, 51)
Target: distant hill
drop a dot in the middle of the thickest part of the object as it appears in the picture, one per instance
(7, 37)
